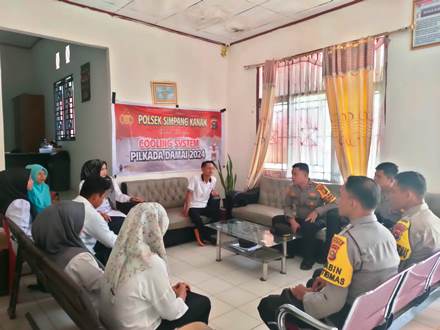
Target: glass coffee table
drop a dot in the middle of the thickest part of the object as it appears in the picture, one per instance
(264, 251)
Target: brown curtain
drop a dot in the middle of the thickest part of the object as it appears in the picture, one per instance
(265, 124)
(349, 78)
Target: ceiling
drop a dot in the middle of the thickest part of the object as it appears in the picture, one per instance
(224, 21)
(17, 39)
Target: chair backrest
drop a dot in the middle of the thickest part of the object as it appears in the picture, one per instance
(71, 297)
(371, 309)
(273, 191)
(11, 253)
(169, 192)
(415, 283)
(435, 278)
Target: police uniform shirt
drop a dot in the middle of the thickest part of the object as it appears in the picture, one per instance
(424, 234)
(299, 203)
(373, 258)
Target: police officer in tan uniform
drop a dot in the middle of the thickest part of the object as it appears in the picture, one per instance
(418, 231)
(361, 257)
(385, 177)
(305, 209)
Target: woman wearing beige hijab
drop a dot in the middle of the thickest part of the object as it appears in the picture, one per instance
(136, 292)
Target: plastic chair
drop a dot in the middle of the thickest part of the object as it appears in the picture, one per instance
(435, 277)
(415, 287)
(371, 310)
(368, 311)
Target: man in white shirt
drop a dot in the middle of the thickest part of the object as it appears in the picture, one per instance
(200, 189)
(96, 228)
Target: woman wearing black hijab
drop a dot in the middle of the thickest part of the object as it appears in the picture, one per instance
(14, 202)
(97, 167)
(56, 231)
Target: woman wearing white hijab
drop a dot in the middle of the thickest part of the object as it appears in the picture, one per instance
(136, 292)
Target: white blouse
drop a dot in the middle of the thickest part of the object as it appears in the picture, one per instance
(85, 271)
(116, 195)
(19, 211)
(95, 227)
(142, 302)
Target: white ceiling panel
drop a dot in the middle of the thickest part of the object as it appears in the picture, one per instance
(257, 2)
(223, 21)
(108, 5)
(153, 11)
(255, 17)
(288, 7)
(231, 6)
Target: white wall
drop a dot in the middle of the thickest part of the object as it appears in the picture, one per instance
(413, 82)
(138, 54)
(93, 119)
(413, 109)
(17, 77)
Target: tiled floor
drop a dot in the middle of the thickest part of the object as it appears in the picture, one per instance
(233, 286)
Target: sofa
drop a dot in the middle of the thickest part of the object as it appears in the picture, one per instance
(270, 198)
(170, 193)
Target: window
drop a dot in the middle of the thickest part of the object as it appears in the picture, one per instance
(301, 127)
(67, 54)
(65, 129)
(57, 60)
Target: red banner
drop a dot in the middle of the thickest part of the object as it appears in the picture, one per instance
(153, 139)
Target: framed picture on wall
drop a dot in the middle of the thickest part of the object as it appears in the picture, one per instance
(164, 92)
(85, 82)
(425, 23)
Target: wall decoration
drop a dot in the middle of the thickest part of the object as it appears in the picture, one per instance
(85, 82)
(158, 139)
(426, 23)
(164, 92)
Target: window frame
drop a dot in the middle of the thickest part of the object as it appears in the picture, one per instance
(65, 108)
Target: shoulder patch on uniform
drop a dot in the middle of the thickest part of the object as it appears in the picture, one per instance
(338, 269)
(325, 193)
(345, 229)
(401, 234)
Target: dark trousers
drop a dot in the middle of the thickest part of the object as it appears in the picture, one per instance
(334, 224)
(268, 309)
(199, 308)
(212, 210)
(102, 253)
(308, 232)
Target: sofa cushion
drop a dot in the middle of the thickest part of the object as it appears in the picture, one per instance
(177, 219)
(273, 191)
(257, 213)
(169, 192)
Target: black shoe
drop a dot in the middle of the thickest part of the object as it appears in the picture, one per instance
(306, 264)
(321, 260)
(37, 287)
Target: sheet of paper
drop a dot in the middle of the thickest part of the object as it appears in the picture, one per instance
(116, 213)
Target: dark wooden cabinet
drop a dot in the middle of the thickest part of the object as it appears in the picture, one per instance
(29, 122)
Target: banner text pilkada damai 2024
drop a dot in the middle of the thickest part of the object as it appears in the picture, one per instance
(154, 139)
